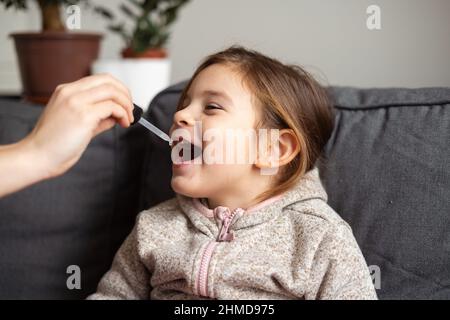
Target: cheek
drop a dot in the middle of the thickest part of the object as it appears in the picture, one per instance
(227, 158)
(220, 177)
(230, 146)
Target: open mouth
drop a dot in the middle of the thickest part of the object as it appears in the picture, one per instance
(184, 151)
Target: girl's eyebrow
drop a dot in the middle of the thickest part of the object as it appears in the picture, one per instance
(219, 94)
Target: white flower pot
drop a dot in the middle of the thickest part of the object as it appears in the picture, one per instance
(145, 77)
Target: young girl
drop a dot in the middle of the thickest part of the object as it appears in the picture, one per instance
(233, 231)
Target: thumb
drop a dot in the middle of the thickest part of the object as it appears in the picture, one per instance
(104, 125)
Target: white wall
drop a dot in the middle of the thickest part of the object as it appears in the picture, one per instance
(329, 37)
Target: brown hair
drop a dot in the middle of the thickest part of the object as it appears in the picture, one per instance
(290, 98)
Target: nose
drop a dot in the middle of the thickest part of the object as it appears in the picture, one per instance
(183, 118)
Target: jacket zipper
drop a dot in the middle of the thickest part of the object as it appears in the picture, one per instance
(202, 278)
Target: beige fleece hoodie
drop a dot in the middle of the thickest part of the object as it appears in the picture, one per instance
(289, 247)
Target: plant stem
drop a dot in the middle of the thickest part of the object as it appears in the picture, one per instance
(50, 15)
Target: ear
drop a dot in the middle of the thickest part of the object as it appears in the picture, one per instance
(281, 151)
(289, 146)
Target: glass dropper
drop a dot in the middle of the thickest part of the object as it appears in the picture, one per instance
(137, 113)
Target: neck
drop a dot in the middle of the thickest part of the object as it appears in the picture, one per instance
(241, 196)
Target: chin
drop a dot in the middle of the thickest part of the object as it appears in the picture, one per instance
(184, 186)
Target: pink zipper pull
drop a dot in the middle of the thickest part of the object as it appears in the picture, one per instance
(226, 217)
(225, 234)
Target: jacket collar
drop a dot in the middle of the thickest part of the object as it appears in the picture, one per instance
(206, 220)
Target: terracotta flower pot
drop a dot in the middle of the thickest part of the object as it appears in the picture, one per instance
(149, 53)
(47, 59)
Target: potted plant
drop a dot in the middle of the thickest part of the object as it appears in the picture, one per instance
(145, 65)
(53, 55)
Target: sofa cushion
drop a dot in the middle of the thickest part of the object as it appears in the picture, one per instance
(80, 218)
(386, 172)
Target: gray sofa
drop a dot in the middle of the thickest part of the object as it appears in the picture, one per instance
(386, 169)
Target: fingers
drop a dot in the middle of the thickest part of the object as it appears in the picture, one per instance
(104, 115)
(105, 92)
(93, 81)
(101, 82)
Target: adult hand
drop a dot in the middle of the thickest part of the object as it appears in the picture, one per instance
(76, 113)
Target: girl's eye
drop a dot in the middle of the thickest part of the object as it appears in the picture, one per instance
(212, 106)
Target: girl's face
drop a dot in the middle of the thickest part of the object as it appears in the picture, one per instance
(218, 101)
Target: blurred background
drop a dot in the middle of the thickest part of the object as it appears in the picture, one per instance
(328, 37)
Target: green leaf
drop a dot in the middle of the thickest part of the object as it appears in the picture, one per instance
(17, 4)
(128, 11)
